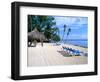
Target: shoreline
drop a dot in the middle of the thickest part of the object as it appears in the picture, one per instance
(76, 45)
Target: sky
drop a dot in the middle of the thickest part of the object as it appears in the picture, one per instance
(78, 25)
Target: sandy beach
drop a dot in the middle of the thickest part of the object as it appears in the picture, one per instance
(48, 55)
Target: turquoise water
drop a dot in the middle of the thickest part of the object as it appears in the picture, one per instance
(83, 43)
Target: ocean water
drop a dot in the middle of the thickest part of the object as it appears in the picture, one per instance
(83, 43)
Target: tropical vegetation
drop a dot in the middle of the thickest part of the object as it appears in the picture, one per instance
(44, 24)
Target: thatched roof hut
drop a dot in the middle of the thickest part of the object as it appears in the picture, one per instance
(36, 35)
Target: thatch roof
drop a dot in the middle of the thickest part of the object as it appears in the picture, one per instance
(35, 34)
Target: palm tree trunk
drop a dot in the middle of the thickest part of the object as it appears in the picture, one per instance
(63, 37)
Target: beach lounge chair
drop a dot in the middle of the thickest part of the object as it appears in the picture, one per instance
(72, 51)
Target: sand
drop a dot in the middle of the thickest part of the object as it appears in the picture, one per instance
(48, 55)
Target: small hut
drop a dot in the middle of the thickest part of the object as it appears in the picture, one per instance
(35, 36)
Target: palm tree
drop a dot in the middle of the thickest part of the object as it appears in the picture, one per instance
(69, 30)
(55, 34)
(55, 30)
(41, 22)
(64, 31)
